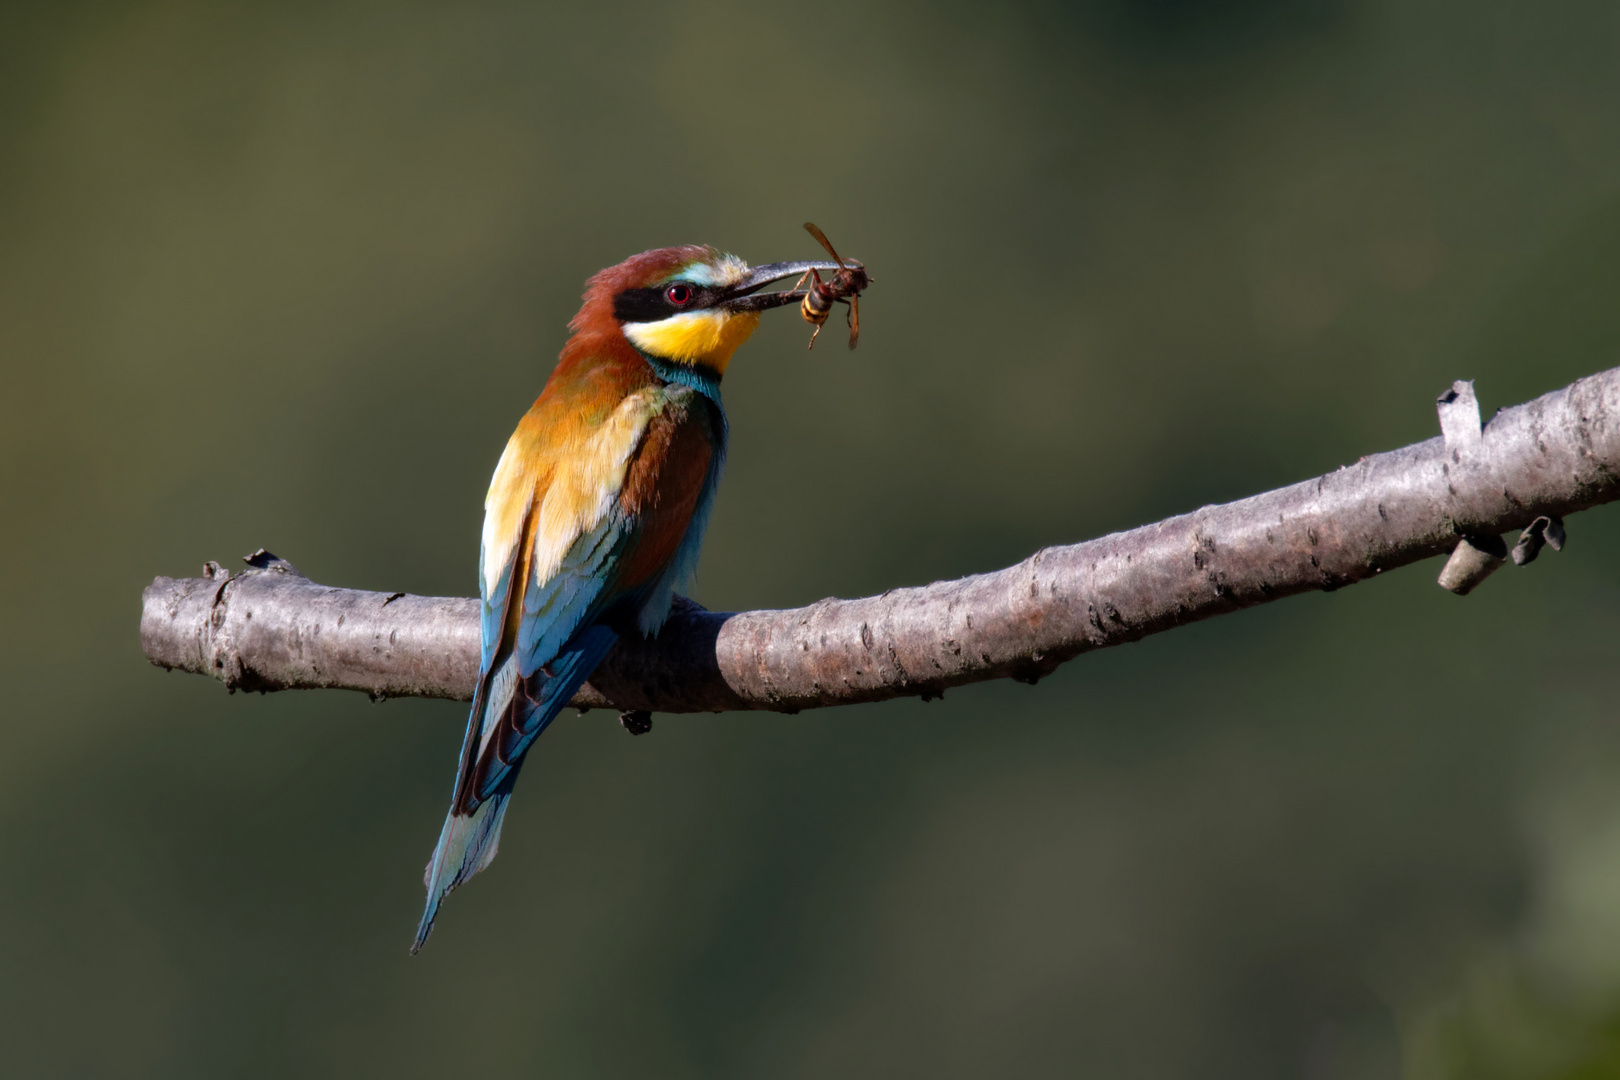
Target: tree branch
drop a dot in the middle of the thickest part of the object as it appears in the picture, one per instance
(268, 628)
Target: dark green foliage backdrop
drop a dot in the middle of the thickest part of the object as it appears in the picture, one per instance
(287, 276)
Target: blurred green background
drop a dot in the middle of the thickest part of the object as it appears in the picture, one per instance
(287, 275)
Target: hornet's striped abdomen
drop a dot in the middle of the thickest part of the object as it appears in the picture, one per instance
(817, 303)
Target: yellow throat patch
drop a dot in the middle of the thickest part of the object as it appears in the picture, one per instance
(695, 337)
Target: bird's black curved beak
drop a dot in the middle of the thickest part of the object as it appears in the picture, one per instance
(743, 296)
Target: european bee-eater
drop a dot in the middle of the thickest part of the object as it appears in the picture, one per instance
(596, 511)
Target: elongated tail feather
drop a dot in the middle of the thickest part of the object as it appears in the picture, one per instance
(467, 844)
(519, 709)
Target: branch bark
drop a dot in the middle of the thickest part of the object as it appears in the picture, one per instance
(268, 628)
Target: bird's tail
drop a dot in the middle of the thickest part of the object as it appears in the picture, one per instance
(467, 844)
(507, 715)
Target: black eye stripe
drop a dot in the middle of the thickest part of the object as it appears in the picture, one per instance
(653, 303)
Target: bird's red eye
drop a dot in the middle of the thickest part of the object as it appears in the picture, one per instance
(679, 294)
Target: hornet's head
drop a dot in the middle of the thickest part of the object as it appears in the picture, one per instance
(688, 305)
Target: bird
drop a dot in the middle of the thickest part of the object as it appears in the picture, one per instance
(596, 511)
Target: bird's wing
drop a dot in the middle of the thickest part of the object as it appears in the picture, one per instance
(555, 534)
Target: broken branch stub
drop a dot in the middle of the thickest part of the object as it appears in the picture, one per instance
(1474, 559)
(1459, 418)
